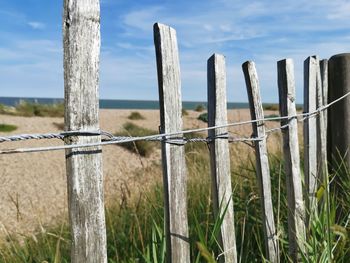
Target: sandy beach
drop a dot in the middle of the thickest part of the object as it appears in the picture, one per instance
(33, 185)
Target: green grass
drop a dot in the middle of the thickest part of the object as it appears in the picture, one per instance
(184, 112)
(271, 106)
(135, 115)
(7, 127)
(135, 227)
(275, 107)
(272, 116)
(144, 148)
(199, 107)
(29, 109)
(203, 117)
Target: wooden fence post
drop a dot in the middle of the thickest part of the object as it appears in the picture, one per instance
(339, 121)
(81, 28)
(323, 177)
(220, 156)
(324, 79)
(296, 208)
(321, 128)
(310, 134)
(323, 124)
(173, 156)
(262, 161)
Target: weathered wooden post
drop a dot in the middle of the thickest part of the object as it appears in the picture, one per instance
(296, 208)
(324, 78)
(262, 161)
(220, 156)
(322, 151)
(310, 133)
(339, 113)
(321, 125)
(81, 32)
(339, 117)
(324, 114)
(173, 156)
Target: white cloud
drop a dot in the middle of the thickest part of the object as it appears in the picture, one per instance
(262, 31)
(36, 25)
(142, 19)
(340, 11)
(131, 46)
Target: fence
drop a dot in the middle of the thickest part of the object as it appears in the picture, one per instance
(83, 143)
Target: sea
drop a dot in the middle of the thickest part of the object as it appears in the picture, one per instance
(119, 104)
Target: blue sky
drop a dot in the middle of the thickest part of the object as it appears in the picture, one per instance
(262, 31)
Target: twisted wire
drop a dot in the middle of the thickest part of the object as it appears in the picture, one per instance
(171, 138)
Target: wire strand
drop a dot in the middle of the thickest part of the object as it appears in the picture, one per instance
(166, 137)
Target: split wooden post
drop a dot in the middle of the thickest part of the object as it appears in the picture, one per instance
(81, 30)
(322, 100)
(296, 208)
(321, 127)
(324, 81)
(324, 78)
(220, 156)
(173, 156)
(310, 134)
(262, 161)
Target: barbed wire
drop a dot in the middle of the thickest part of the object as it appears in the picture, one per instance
(176, 138)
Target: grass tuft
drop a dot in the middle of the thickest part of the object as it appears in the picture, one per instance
(203, 117)
(199, 107)
(135, 115)
(143, 148)
(7, 127)
(29, 109)
(275, 107)
(184, 112)
(272, 116)
(271, 106)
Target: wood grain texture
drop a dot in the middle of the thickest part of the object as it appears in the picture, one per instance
(262, 161)
(324, 79)
(220, 156)
(81, 41)
(310, 133)
(321, 127)
(173, 157)
(296, 207)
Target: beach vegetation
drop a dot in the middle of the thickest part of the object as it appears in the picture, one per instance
(271, 106)
(135, 115)
(272, 116)
(135, 226)
(203, 117)
(7, 127)
(143, 148)
(30, 109)
(299, 107)
(199, 107)
(275, 107)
